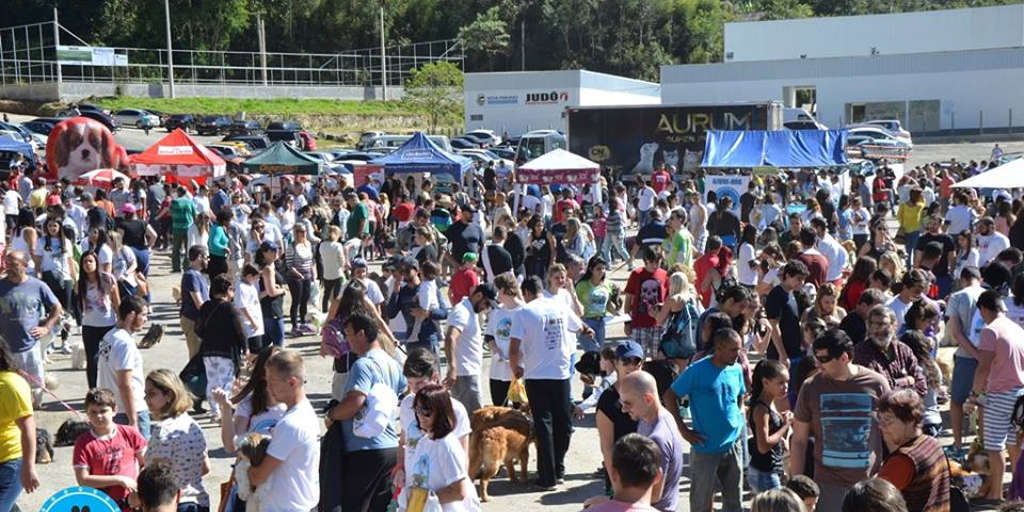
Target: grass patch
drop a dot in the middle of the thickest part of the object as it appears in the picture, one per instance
(275, 107)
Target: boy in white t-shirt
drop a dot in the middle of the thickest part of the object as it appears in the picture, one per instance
(247, 300)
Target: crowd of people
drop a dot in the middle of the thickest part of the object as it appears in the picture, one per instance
(787, 344)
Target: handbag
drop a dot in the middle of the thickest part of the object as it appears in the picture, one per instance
(516, 393)
(378, 411)
(679, 341)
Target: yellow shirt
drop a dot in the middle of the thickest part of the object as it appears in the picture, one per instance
(15, 403)
(909, 216)
(37, 198)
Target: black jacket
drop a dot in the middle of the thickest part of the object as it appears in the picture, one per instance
(220, 330)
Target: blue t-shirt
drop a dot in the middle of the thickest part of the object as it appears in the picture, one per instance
(22, 307)
(374, 367)
(193, 281)
(714, 402)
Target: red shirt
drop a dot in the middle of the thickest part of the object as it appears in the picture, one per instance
(647, 289)
(879, 192)
(403, 212)
(701, 267)
(660, 180)
(114, 455)
(462, 284)
(817, 265)
(851, 294)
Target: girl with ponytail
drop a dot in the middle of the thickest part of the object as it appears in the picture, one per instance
(770, 428)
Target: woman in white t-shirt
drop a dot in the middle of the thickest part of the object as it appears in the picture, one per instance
(498, 335)
(559, 287)
(251, 409)
(98, 299)
(439, 464)
(332, 257)
(98, 241)
(176, 438)
(746, 267)
(55, 261)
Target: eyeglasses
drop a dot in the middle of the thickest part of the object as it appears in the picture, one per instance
(425, 412)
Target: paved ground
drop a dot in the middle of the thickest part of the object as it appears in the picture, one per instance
(582, 460)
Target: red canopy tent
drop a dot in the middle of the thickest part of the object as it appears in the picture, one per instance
(178, 157)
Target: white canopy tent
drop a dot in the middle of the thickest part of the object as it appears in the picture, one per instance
(1006, 176)
(562, 167)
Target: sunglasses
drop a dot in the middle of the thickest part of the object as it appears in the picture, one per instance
(423, 411)
(824, 359)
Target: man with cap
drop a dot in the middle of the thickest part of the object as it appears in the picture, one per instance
(464, 279)
(464, 344)
(464, 235)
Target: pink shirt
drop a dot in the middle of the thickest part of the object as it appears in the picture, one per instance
(1006, 339)
(620, 506)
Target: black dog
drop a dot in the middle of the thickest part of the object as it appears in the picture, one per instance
(44, 446)
(69, 432)
(589, 363)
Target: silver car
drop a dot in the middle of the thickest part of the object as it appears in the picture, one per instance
(135, 116)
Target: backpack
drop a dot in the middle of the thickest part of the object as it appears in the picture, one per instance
(680, 337)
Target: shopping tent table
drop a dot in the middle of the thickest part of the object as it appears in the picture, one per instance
(282, 158)
(558, 166)
(179, 158)
(1006, 176)
(420, 156)
(100, 178)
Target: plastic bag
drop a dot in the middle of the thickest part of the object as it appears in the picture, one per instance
(517, 393)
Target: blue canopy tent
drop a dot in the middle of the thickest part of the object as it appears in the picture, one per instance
(419, 155)
(10, 146)
(741, 149)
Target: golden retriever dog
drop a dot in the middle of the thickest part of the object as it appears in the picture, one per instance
(500, 436)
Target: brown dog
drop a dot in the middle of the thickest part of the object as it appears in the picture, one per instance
(500, 435)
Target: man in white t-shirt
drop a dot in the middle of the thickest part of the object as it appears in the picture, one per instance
(860, 219)
(833, 251)
(542, 332)
(990, 241)
(645, 202)
(119, 367)
(292, 464)
(464, 345)
(960, 217)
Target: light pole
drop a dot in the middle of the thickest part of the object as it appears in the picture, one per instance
(170, 52)
(383, 59)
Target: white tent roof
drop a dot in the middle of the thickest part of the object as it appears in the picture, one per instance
(559, 159)
(1008, 175)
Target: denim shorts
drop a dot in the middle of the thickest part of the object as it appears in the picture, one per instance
(963, 378)
(761, 481)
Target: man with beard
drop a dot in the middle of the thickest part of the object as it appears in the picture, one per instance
(464, 345)
(990, 241)
(716, 387)
(195, 290)
(892, 358)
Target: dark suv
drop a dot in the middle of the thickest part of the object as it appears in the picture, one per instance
(213, 125)
(184, 121)
(284, 125)
(245, 127)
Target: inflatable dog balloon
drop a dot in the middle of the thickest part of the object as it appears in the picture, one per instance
(79, 145)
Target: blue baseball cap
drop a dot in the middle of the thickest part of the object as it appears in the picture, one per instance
(629, 350)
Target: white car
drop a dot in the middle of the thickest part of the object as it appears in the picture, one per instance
(135, 116)
(878, 133)
(893, 125)
(490, 136)
(484, 157)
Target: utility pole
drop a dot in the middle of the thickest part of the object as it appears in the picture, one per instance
(170, 52)
(56, 46)
(383, 58)
(522, 42)
(261, 36)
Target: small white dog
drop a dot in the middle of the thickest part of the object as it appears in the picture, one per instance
(78, 358)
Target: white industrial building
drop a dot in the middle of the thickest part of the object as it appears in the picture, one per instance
(952, 71)
(519, 101)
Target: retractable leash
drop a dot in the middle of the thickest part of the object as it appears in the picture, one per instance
(34, 380)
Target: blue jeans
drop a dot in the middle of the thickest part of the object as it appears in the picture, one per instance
(273, 331)
(761, 481)
(142, 417)
(616, 242)
(10, 483)
(592, 344)
(911, 243)
(142, 260)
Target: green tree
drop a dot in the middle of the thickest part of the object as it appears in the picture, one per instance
(487, 34)
(436, 89)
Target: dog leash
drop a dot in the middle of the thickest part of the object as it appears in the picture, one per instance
(34, 380)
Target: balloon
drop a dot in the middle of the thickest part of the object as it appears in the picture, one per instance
(78, 145)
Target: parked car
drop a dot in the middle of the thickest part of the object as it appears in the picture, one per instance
(107, 120)
(366, 138)
(240, 147)
(395, 141)
(184, 121)
(361, 156)
(284, 125)
(163, 116)
(485, 157)
(213, 125)
(42, 125)
(256, 142)
(290, 136)
(248, 127)
(504, 152)
(489, 137)
(464, 143)
(804, 124)
(538, 142)
(878, 133)
(22, 132)
(136, 117)
(893, 125)
(226, 151)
